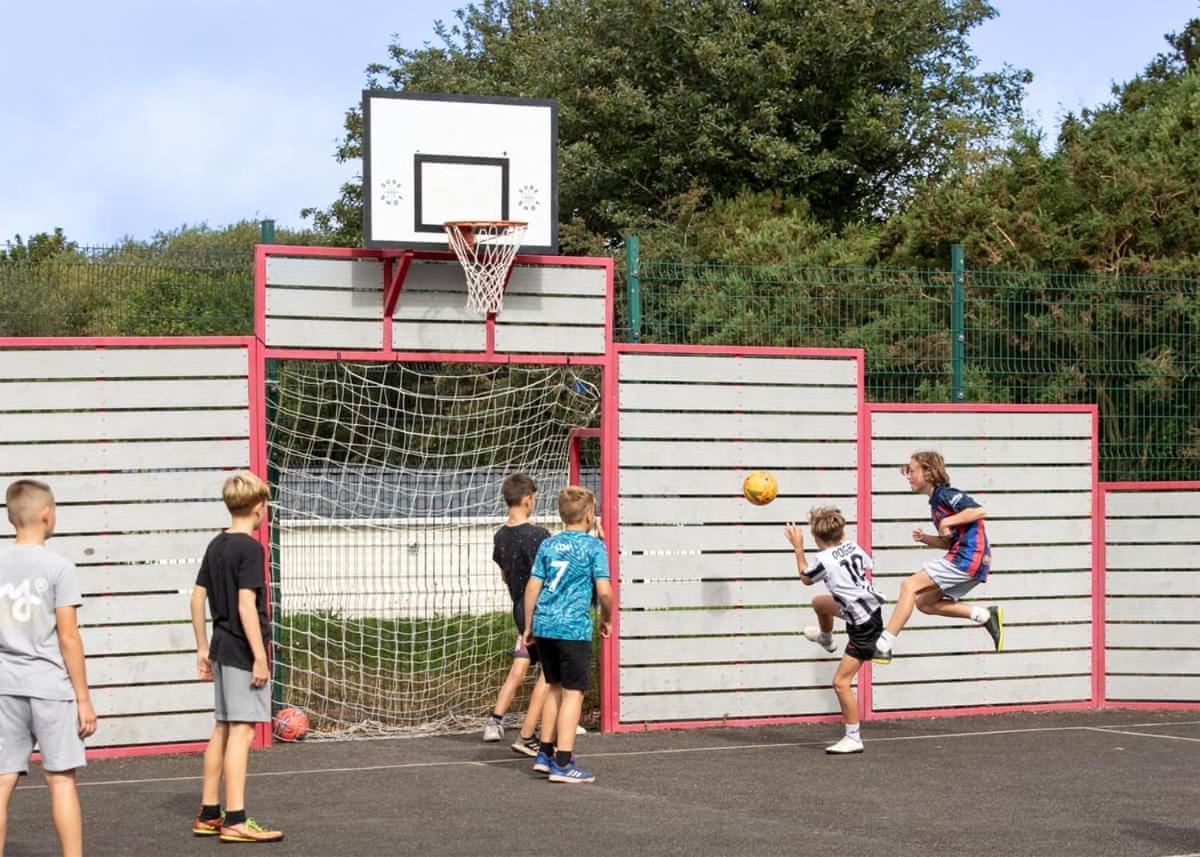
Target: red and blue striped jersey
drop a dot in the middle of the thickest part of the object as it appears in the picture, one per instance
(969, 550)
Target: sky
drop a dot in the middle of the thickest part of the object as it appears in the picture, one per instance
(129, 117)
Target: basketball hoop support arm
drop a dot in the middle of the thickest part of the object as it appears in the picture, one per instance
(391, 289)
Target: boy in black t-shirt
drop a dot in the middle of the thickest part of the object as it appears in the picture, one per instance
(232, 582)
(514, 547)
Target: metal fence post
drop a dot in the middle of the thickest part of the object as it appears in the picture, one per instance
(272, 403)
(958, 337)
(633, 279)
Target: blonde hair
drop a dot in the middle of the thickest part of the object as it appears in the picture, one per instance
(827, 523)
(25, 499)
(574, 503)
(243, 491)
(933, 464)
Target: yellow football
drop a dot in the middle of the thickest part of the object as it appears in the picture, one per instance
(760, 487)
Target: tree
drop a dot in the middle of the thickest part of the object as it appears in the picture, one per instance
(843, 105)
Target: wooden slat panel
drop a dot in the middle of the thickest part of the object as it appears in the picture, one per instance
(735, 566)
(999, 533)
(139, 639)
(133, 547)
(974, 666)
(1153, 688)
(309, 333)
(1024, 612)
(968, 638)
(149, 699)
(552, 280)
(1160, 556)
(119, 609)
(324, 304)
(1148, 662)
(439, 337)
(155, 577)
(739, 370)
(535, 339)
(48, 458)
(779, 426)
(123, 425)
(1153, 582)
(885, 424)
(667, 510)
(152, 729)
(736, 677)
(124, 517)
(1143, 530)
(818, 484)
(44, 364)
(682, 623)
(729, 453)
(79, 395)
(717, 593)
(1021, 505)
(1152, 636)
(714, 537)
(1075, 451)
(117, 487)
(731, 399)
(426, 276)
(1150, 504)
(897, 697)
(713, 650)
(144, 669)
(980, 480)
(1051, 584)
(1056, 558)
(538, 309)
(1143, 609)
(325, 273)
(434, 306)
(727, 704)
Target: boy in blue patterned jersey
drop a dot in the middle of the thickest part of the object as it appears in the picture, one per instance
(568, 569)
(960, 532)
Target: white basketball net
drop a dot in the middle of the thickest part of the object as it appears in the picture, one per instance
(486, 250)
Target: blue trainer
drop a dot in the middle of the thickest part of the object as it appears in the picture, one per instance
(572, 773)
(543, 763)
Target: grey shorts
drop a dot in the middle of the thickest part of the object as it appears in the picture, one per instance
(52, 723)
(236, 700)
(954, 582)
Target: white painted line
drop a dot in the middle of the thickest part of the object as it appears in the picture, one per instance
(400, 766)
(1140, 734)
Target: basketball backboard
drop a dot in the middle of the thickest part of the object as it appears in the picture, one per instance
(428, 159)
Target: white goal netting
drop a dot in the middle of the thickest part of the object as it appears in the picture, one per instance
(390, 614)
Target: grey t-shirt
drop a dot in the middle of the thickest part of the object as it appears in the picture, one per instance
(34, 582)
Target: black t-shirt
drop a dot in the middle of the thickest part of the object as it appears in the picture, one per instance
(513, 549)
(233, 561)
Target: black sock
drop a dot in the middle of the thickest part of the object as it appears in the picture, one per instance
(235, 816)
(497, 718)
(562, 758)
(208, 812)
(547, 747)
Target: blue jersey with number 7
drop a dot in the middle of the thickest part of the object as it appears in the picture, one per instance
(567, 563)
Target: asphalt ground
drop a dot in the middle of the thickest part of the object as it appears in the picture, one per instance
(1091, 784)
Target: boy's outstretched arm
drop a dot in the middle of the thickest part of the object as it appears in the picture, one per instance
(796, 537)
(959, 519)
(71, 645)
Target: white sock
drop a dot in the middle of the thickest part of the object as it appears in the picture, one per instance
(854, 730)
(825, 637)
(979, 615)
(885, 641)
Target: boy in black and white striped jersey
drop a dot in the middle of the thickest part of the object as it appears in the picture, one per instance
(843, 566)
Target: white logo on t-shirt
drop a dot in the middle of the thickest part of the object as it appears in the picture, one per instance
(23, 600)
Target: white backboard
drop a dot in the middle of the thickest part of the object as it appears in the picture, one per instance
(432, 158)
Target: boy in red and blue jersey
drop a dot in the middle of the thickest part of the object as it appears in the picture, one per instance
(937, 589)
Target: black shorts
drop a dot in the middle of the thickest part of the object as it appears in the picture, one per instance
(521, 651)
(566, 662)
(863, 637)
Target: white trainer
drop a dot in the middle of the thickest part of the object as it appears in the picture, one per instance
(813, 635)
(846, 745)
(493, 731)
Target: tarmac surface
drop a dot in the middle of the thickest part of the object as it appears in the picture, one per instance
(1093, 784)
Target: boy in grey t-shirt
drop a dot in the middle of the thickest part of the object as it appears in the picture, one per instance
(43, 682)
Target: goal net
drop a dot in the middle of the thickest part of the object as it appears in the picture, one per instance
(389, 612)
